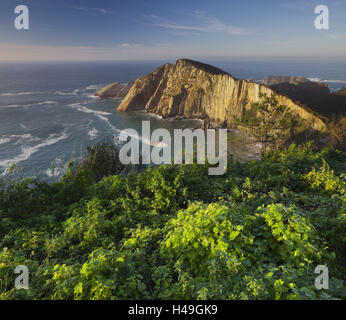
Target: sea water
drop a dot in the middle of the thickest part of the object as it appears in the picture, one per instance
(49, 114)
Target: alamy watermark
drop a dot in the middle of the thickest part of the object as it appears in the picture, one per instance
(21, 22)
(322, 281)
(161, 148)
(20, 282)
(322, 20)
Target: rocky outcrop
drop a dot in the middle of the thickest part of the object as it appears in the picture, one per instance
(193, 90)
(115, 90)
(273, 80)
(298, 88)
(316, 95)
(341, 92)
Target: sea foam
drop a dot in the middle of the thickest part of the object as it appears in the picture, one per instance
(28, 151)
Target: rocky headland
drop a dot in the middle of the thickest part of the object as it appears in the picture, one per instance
(316, 95)
(193, 90)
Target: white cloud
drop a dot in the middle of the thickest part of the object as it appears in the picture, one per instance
(131, 45)
(92, 10)
(206, 24)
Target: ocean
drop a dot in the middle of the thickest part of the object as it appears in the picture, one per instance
(49, 114)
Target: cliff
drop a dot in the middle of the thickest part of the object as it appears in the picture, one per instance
(114, 90)
(195, 90)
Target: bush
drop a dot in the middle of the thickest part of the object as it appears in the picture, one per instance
(174, 232)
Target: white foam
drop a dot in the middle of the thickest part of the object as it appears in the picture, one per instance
(154, 115)
(73, 93)
(82, 108)
(58, 171)
(9, 94)
(5, 140)
(94, 87)
(60, 93)
(27, 136)
(27, 151)
(93, 133)
(21, 137)
(315, 79)
(335, 81)
(102, 115)
(326, 80)
(29, 105)
(58, 160)
(92, 96)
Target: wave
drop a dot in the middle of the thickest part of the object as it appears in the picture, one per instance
(93, 133)
(27, 136)
(152, 115)
(29, 105)
(94, 87)
(102, 115)
(58, 171)
(9, 94)
(62, 93)
(5, 140)
(92, 96)
(27, 151)
(326, 80)
(20, 137)
(80, 107)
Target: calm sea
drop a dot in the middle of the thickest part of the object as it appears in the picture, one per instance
(49, 114)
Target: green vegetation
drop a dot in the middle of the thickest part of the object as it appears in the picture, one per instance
(176, 233)
(269, 122)
(337, 132)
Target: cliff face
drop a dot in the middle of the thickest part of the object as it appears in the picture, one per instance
(194, 90)
(115, 90)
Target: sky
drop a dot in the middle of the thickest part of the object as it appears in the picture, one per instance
(162, 29)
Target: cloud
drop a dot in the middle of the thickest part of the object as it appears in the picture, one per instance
(131, 45)
(206, 24)
(92, 10)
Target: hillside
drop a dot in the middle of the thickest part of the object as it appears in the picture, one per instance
(258, 232)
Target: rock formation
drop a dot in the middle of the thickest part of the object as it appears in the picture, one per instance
(298, 88)
(193, 90)
(273, 80)
(115, 90)
(314, 94)
(341, 92)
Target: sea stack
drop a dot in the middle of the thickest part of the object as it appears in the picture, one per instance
(114, 90)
